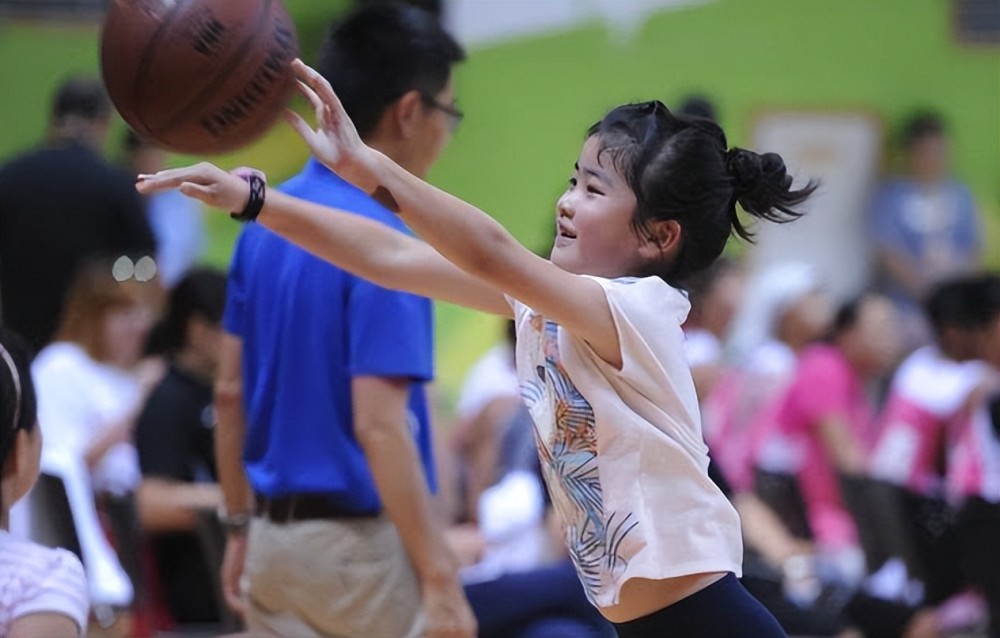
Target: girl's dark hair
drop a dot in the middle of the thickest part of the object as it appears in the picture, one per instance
(18, 408)
(680, 168)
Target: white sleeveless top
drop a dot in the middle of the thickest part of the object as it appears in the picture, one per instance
(622, 451)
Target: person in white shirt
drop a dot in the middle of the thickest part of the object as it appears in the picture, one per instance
(92, 384)
(43, 591)
(600, 351)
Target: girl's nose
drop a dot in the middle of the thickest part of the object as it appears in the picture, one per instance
(564, 206)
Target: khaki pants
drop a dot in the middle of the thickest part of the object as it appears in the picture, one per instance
(341, 578)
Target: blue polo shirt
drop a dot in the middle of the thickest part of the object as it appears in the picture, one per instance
(307, 329)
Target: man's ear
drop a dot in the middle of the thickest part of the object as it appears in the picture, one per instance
(408, 112)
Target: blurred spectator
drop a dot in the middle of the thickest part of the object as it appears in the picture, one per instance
(973, 474)
(785, 310)
(524, 584)
(59, 205)
(176, 221)
(174, 439)
(43, 591)
(91, 387)
(715, 295)
(924, 224)
(824, 424)
(490, 396)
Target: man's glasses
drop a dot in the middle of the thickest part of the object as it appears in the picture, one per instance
(450, 110)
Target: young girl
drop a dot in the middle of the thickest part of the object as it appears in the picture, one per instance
(599, 346)
(43, 591)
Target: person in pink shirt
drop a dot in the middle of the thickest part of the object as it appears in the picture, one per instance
(825, 417)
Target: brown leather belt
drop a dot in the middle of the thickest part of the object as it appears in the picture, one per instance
(304, 507)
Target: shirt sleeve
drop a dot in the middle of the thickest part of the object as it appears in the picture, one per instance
(59, 587)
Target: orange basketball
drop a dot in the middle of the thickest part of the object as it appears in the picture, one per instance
(198, 76)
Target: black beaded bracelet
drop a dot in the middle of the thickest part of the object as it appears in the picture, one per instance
(258, 188)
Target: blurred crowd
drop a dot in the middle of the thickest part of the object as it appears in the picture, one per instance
(858, 438)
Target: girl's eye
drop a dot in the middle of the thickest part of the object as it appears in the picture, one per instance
(595, 191)
(572, 181)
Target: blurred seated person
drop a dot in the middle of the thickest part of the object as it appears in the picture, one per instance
(523, 584)
(973, 466)
(785, 310)
(489, 398)
(715, 295)
(929, 399)
(43, 591)
(92, 382)
(924, 224)
(824, 426)
(174, 438)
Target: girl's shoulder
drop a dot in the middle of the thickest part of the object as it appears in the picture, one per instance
(36, 562)
(646, 297)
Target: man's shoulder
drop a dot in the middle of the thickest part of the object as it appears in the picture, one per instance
(319, 185)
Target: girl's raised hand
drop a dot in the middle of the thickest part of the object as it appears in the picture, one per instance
(204, 181)
(335, 141)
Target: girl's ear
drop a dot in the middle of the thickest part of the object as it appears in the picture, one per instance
(664, 238)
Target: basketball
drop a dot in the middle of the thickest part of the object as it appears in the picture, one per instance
(198, 76)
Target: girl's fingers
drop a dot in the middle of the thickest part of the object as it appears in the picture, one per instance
(299, 124)
(198, 191)
(310, 95)
(319, 86)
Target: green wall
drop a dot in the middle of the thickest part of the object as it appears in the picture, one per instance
(529, 102)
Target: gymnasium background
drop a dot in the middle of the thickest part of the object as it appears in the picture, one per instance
(529, 95)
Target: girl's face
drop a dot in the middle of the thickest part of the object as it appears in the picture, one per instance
(594, 234)
(125, 332)
(874, 338)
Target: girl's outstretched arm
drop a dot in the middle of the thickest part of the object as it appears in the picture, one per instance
(363, 246)
(465, 235)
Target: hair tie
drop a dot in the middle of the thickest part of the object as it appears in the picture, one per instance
(743, 167)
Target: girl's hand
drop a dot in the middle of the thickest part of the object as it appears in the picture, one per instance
(335, 142)
(205, 182)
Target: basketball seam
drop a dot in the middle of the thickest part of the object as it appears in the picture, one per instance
(185, 112)
(138, 89)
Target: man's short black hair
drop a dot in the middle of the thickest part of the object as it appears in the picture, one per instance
(382, 51)
(83, 97)
(920, 125)
(969, 302)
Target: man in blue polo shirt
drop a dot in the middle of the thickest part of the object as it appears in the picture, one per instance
(323, 437)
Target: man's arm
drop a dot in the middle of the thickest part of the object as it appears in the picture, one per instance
(380, 424)
(230, 433)
(170, 505)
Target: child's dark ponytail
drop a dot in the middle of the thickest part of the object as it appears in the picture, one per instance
(680, 169)
(763, 188)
